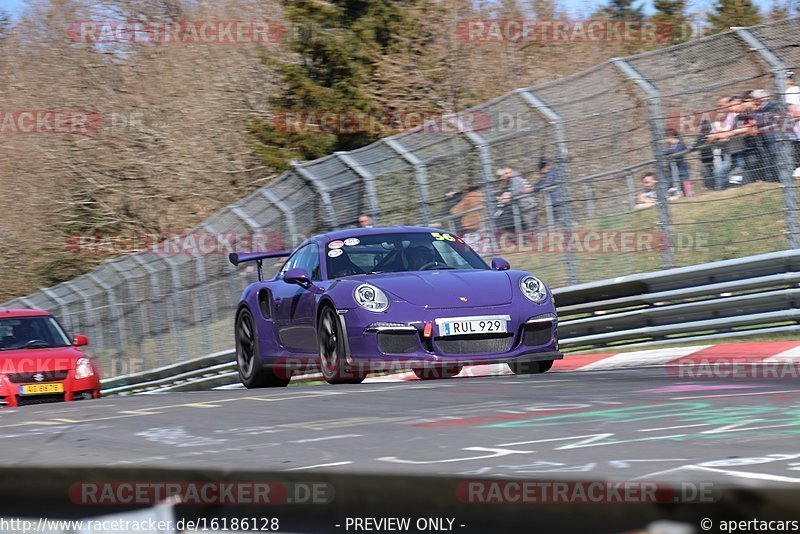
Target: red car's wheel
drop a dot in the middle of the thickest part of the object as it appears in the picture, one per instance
(438, 371)
(332, 360)
(253, 373)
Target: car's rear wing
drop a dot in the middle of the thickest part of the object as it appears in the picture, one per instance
(241, 257)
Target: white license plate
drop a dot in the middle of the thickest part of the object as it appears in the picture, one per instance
(461, 326)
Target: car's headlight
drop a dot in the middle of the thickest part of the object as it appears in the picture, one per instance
(533, 289)
(371, 298)
(84, 368)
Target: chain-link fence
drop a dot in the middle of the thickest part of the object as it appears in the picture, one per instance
(669, 158)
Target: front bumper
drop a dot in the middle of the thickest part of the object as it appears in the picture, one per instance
(73, 389)
(397, 338)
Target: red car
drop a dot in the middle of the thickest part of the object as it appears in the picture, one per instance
(39, 363)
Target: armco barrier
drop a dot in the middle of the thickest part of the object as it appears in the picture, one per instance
(757, 295)
(37, 492)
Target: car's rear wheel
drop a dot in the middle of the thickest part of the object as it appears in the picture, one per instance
(530, 367)
(437, 371)
(333, 363)
(252, 372)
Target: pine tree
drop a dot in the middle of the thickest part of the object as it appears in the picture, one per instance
(779, 10)
(623, 10)
(726, 14)
(671, 20)
(338, 44)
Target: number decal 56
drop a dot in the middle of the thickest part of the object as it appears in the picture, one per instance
(442, 237)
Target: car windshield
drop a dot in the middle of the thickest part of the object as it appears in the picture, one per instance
(31, 333)
(399, 252)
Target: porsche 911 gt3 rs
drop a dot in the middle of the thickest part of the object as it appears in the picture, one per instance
(354, 301)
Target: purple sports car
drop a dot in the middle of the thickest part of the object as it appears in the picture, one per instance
(354, 301)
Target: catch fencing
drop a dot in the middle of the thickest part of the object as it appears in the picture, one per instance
(599, 132)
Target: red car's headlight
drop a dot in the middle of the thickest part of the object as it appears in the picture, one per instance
(84, 368)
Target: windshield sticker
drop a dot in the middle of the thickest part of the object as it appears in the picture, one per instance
(442, 237)
(353, 241)
(336, 244)
(334, 253)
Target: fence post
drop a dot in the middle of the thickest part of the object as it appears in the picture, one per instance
(554, 119)
(178, 323)
(784, 144)
(487, 170)
(202, 293)
(653, 98)
(61, 303)
(137, 326)
(631, 191)
(420, 175)
(234, 289)
(291, 222)
(321, 190)
(114, 311)
(369, 183)
(154, 295)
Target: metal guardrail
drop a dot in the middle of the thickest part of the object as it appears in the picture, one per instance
(757, 295)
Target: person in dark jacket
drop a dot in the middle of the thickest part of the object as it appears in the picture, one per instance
(549, 184)
(679, 170)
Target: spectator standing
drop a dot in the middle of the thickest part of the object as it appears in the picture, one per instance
(793, 105)
(521, 195)
(792, 91)
(471, 208)
(504, 213)
(451, 198)
(763, 142)
(365, 221)
(679, 170)
(548, 183)
(723, 130)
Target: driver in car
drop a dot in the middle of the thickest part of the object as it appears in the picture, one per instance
(418, 257)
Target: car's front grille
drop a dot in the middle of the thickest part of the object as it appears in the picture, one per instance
(28, 400)
(538, 333)
(397, 342)
(43, 376)
(474, 343)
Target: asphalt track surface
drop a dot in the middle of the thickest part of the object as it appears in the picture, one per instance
(621, 425)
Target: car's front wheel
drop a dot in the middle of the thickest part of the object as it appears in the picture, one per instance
(530, 367)
(333, 363)
(437, 371)
(252, 372)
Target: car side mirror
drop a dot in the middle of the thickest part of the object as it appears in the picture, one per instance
(499, 264)
(297, 276)
(80, 340)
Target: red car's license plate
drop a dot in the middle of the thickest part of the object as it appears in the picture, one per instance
(38, 389)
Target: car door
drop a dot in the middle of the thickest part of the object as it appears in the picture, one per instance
(295, 306)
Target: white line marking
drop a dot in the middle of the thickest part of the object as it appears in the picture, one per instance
(672, 427)
(737, 394)
(333, 464)
(737, 474)
(340, 436)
